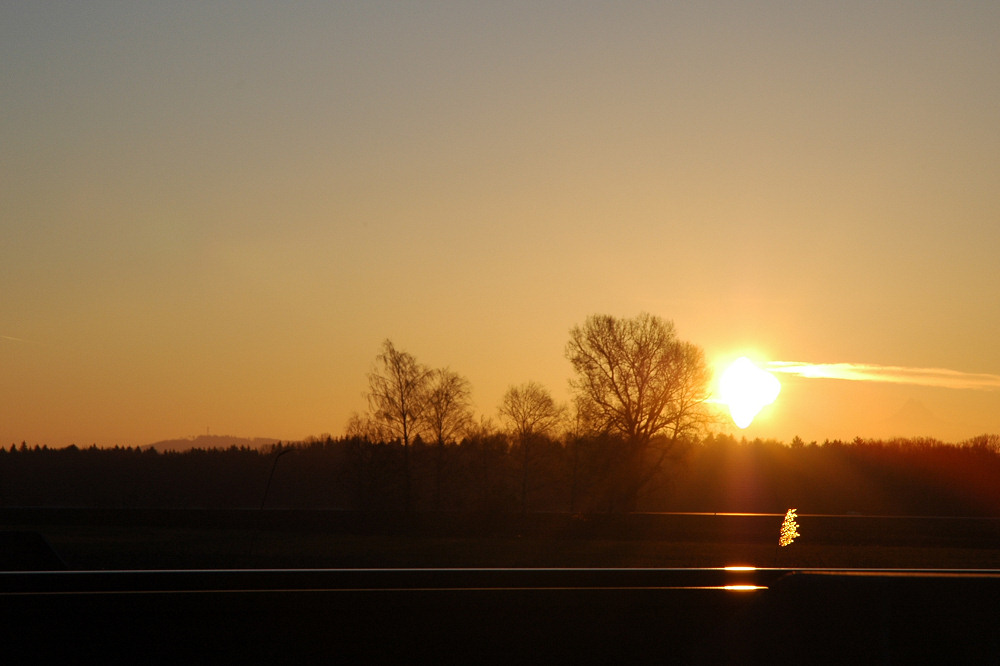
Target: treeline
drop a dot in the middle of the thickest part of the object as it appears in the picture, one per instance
(492, 472)
(638, 391)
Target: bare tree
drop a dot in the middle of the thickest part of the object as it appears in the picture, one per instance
(364, 427)
(397, 400)
(985, 442)
(447, 415)
(448, 408)
(529, 411)
(636, 380)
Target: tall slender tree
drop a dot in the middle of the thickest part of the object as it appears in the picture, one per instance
(447, 415)
(397, 400)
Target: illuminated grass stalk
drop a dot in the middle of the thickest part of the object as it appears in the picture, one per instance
(789, 529)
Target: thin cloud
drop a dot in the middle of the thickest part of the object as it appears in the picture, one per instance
(11, 338)
(862, 372)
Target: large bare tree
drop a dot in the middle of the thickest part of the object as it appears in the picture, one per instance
(636, 380)
(397, 399)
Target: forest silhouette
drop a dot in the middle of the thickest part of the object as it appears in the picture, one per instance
(489, 473)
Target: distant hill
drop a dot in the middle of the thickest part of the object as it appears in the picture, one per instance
(913, 419)
(211, 442)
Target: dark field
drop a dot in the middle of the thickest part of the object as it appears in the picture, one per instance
(190, 586)
(478, 616)
(89, 539)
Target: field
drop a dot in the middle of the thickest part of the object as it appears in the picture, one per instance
(204, 539)
(312, 586)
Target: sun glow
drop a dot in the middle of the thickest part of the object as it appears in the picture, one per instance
(746, 389)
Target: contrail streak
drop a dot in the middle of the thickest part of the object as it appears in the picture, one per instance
(11, 338)
(864, 372)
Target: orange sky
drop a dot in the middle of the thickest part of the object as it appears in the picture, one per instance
(213, 215)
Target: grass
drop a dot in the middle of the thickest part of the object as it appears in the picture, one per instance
(165, 548)
(87, 539)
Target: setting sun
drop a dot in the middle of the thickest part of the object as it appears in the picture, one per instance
(747, 389)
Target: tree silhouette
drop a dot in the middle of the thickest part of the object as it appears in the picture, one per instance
(397, 399)
(636, 380)
(447, 415)
(529, 412)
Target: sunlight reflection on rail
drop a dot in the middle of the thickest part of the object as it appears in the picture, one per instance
(741, 587)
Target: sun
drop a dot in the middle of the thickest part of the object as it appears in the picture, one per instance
(747, 389)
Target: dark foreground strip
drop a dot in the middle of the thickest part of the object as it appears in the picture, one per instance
(480, 616)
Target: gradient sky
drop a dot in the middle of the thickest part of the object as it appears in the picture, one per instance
(213, 213)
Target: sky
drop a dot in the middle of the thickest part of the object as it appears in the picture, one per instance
(212, 214)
